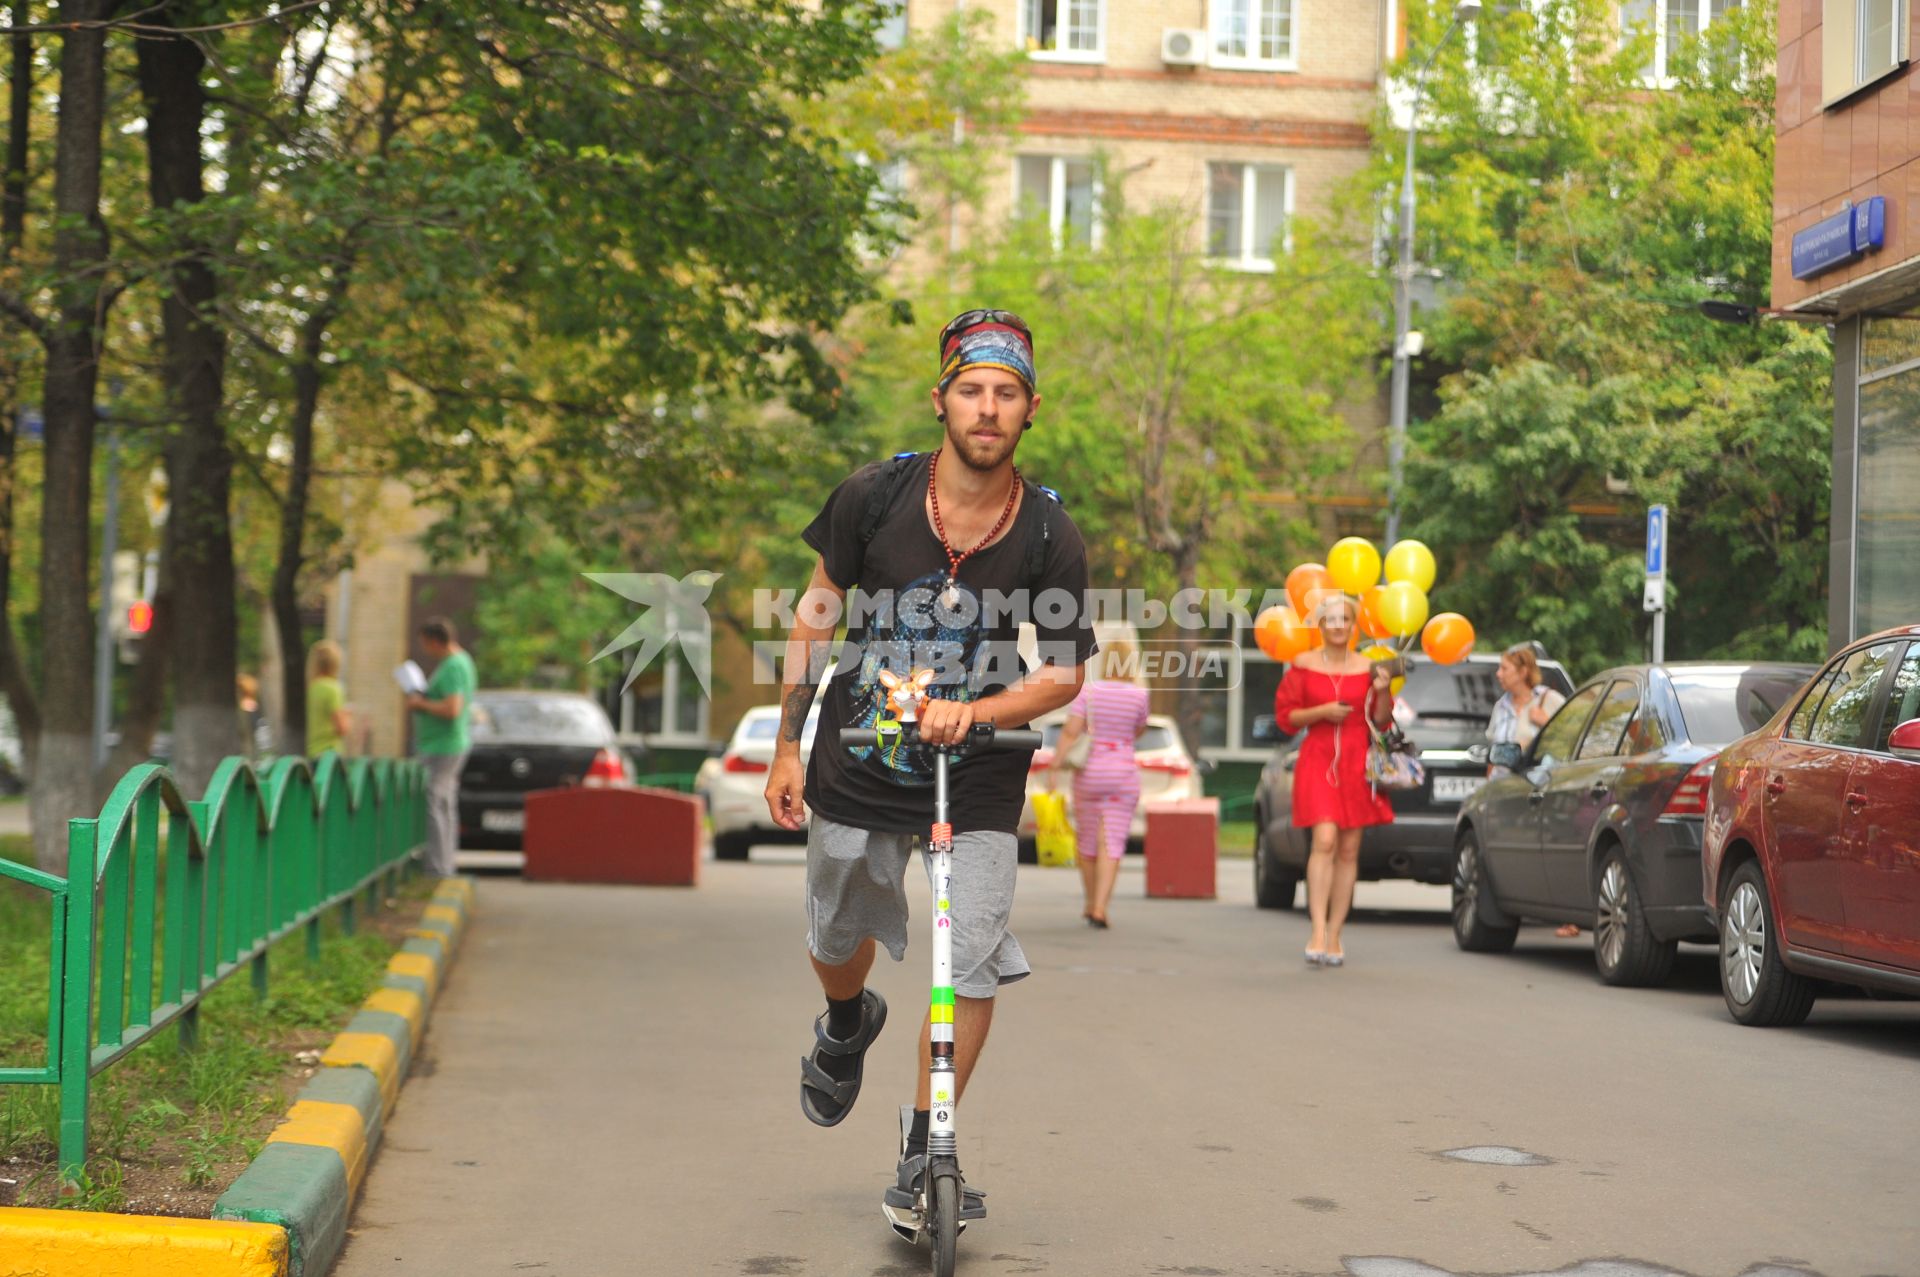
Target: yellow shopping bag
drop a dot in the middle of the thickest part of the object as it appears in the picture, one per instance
(1053, 836)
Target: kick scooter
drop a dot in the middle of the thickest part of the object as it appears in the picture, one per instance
(940, 1211)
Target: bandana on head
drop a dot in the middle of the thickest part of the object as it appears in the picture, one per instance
(989, 346)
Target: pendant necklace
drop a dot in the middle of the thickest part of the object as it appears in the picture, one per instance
(949, 594)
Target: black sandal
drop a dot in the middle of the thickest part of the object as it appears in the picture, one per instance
(819, 1088)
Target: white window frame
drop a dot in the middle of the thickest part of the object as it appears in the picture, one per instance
(1057, 195)
(1249, 204)
(1216, 17)
(1094, 55)
(1660, 79)
(673, 734)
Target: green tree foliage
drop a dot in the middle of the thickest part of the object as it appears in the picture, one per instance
(1578, 216)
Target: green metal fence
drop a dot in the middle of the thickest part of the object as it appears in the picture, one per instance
(260, 857)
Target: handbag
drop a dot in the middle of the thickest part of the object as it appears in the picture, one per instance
(1391, 761)
(1076, 755)
(1507, 754)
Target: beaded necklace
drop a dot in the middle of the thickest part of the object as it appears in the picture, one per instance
(949, 596)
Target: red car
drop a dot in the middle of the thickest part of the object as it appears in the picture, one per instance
(1812, 846)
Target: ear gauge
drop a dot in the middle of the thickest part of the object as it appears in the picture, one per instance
(940, 417)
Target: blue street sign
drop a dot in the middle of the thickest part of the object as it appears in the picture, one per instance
(1839, 239)
(1656, 540)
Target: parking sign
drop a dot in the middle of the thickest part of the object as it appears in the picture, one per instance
(1656, 541)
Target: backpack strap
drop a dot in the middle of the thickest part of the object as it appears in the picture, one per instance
(879, 497)
(1040, 541)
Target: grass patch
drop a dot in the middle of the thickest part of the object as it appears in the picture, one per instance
(169, 1129)
(1236, 840)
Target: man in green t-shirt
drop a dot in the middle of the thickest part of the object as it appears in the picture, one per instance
(440, 717)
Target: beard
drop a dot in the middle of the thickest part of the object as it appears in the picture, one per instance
(982, 455)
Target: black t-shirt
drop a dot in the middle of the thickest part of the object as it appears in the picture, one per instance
(896, 622)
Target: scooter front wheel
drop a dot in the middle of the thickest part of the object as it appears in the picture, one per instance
(943, 1219)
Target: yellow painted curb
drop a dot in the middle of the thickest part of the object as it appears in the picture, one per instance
(339, 1127)
(61, 1243)
(374, 1051)
(404, 1003)
(419, 966)
(445, 913)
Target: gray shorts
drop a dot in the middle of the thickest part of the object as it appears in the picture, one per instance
(856, 888)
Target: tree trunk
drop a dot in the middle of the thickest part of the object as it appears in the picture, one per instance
(63, 771)
(206, 722)
(293, 527)
(1187, 707)
(14, 684)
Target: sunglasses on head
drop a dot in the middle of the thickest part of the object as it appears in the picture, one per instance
(974, 318)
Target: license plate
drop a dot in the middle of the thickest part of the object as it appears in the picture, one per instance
(503, 822)
(1453, 789)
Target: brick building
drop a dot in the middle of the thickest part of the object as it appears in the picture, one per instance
(1846, 247)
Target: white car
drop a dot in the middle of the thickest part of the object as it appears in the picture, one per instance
(734, 785)
(1168, 774)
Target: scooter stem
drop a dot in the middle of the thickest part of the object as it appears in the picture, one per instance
(942, 1083)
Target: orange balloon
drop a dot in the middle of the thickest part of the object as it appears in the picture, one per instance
(1370, 623)
(1302, 581)
(1280, 634)
(1447, 638)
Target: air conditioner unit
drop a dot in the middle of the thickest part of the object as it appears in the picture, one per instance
(1183, 47)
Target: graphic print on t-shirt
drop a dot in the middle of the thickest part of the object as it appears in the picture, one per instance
(918, 634)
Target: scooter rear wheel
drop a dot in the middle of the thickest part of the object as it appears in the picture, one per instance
(943, 1219)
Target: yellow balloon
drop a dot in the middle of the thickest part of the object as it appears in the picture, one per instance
(1403, 608)
(1354, 564)
(1411, 561)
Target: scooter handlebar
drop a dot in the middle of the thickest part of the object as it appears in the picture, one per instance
(984, 736)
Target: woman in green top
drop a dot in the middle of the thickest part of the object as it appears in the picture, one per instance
(327, 719)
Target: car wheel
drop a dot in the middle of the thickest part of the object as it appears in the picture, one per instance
(731, 846)
(1273, 886)
(1759, 989)
(1470, 931)
(1624, 947)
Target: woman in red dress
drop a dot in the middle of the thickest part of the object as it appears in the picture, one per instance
(1329, 692)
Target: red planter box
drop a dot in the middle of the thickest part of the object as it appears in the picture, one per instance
(1182, 846)
(646, 836)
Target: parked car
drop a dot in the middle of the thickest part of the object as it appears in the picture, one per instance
(1812, 860)
(1600, 823)
(734, 783)
(1168, 774)
(1451, 706)
(528, 740)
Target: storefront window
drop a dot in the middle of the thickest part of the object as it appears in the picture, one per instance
(1887, 521)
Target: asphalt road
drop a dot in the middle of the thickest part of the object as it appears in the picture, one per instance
(609, 1086)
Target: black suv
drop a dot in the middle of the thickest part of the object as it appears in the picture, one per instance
(1451, 706)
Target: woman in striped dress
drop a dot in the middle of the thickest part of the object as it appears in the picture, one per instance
(1105, 791)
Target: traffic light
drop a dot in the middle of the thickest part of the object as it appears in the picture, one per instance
(139, 617)
(130, 611)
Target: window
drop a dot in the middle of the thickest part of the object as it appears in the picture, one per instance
(1860, 42)
(892, 32)
(1673, 25)
(1253, 34)
(1064, 192)
(1065, 30)
(1248, 208)
(1801, 725)
(665, 705)
(1903, 700)
(1886, 498)
(1610, 724)
(1556, 740)
(1842, 717)
(1720, 708)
